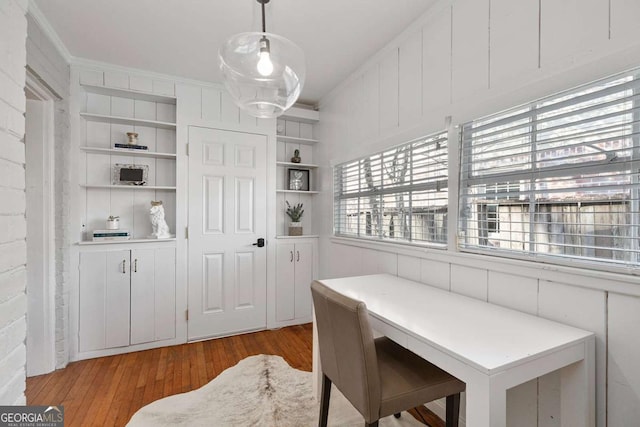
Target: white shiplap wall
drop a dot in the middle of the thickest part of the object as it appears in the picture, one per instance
(13, 253)
(465, 59)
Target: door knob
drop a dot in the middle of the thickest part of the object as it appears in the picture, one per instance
(259, 243)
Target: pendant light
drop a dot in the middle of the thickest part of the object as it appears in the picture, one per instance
(263, 72)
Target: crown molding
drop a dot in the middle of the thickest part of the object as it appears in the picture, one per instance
(48, 30)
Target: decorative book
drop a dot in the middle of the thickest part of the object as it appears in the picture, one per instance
(104, 235)
(130, 146)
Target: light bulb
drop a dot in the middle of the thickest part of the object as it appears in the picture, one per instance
(265, 66)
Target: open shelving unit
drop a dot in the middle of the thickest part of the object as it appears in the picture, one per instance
(296, 131)
(106, 115)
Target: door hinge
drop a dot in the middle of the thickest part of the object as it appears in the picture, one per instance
(187, 149)
(186, 314)
(186, 232)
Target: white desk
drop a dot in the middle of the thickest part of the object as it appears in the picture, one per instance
(490, 348)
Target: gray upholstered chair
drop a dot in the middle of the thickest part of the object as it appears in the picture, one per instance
(378, 377)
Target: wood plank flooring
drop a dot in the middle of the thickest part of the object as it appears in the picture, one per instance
(107, 391)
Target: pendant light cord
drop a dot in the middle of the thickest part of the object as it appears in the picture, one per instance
(264, 25)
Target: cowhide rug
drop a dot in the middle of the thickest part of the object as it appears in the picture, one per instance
(259, 391)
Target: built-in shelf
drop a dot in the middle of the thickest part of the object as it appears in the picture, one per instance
(302, 115)
(118, 242)
(130, 94)
(297, 191)
(131, 152)
(130, 187)
(305, 236)
(127, 120)
(299, 165)
(296, 140)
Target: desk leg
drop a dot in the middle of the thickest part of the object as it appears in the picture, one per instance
(578, 391)
(486, 404)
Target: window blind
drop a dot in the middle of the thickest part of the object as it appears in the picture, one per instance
(399, 194)
(557, 177)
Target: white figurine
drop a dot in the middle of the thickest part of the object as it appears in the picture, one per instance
(158, 223)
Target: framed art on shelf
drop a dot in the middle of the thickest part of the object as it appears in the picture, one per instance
(298, 179)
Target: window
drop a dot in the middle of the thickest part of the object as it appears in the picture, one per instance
(399, 194)
(558, 177)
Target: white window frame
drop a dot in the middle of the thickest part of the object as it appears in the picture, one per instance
(472, 177)
(421, 154)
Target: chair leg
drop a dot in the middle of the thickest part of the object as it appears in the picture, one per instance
(373, 424)
(453, 410)
(324, 402)
(397, 415)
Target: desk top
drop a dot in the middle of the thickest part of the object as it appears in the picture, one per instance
(488, 337)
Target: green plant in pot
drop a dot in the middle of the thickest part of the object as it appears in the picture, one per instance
(295, 213)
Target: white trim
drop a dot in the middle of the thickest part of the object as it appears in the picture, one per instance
(571, 275)
(42, 353)
(35, 12)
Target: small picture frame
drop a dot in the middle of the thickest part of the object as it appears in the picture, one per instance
(298, 179)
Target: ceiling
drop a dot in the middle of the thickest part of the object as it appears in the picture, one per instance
(182, 37)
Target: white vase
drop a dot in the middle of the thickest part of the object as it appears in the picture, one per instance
(295, 229)
(113, 224)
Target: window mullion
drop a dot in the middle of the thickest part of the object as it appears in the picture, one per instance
(634, 203)
(532, 181)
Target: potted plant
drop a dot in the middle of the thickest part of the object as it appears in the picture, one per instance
(295, 213)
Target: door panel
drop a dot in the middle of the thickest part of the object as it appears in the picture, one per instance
(165, 294)
(153, 295)
(142, 296)
(104, 300)
(227, 205)
(304, 276)
(285, 282)
(117, 295)
(93, 282)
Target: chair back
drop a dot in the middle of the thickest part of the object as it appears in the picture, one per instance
(347, 349)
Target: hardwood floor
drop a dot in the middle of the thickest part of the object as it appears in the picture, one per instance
(107, 391)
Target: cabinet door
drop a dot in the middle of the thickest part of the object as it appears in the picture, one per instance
(303, 277)
(285, 282)
(152, 295)
(104, 300)
(165, 294)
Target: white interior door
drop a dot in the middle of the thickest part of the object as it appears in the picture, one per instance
(227, 214)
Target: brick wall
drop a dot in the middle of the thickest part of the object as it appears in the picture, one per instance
(13, 253)
(44, 59)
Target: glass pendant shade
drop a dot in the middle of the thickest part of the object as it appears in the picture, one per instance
(263, 72)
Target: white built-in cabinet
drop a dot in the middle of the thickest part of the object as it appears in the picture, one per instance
(296, 256)
(127, 297)
(295, 271)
